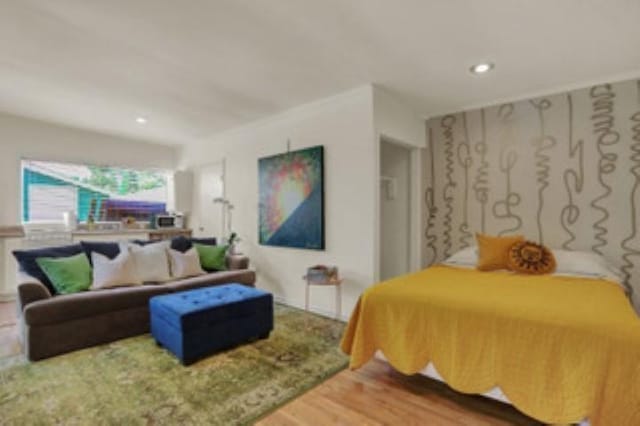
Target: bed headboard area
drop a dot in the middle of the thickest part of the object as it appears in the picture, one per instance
(563, 170)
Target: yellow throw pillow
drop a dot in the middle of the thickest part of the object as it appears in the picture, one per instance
(531, 258)
(493, 252)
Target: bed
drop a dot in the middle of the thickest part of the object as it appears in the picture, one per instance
(561, 348)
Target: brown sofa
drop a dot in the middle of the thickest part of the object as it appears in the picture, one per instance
(52, 325)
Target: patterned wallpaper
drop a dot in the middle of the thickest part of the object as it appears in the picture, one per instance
(563, 170)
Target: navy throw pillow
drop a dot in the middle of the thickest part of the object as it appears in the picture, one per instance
(143, 242)
(27, 260)
(105, 248)
(181, 244)
(206, 241)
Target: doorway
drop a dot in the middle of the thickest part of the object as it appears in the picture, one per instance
(208, 217)
(395, 209)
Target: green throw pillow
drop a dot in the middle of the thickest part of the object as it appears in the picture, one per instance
(67, 274)
(212, 257)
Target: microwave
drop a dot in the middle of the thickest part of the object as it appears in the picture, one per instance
(168, 221)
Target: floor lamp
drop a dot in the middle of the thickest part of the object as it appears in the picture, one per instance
(226, 214)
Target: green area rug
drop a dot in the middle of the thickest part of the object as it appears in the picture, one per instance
(133, 381)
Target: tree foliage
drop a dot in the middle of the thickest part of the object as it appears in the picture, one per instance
(124, 181)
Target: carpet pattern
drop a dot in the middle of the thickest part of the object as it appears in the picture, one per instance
(133, 381)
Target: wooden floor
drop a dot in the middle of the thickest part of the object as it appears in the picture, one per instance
(372, 395)
(378, 395)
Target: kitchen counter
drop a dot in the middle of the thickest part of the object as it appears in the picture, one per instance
(11, 232)
(127, 231)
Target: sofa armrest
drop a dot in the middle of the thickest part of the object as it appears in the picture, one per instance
(30, 290)
(235, 261)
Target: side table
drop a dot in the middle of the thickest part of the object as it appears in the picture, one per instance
(337, 283)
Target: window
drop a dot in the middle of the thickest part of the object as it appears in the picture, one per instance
(102, 193)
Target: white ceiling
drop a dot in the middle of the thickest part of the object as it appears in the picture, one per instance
(196, 67)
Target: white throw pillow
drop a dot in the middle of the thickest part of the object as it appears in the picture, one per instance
(151, 261)
(585, 264)
(569, 263)
(108, 273)
(465, 258)
(185, 264)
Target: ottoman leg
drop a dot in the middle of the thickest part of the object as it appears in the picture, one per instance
(264, 335)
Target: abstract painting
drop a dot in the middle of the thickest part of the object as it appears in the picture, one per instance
(292, 199)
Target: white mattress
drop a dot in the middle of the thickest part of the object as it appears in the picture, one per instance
(495, 393)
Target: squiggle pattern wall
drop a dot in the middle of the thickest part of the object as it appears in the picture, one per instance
(563, 170)
(446, 125)
(481, 183)
(431, 210)
(573, 182)
(627, 244)
(465, 161)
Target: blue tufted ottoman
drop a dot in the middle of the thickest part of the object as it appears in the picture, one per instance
(195, 323)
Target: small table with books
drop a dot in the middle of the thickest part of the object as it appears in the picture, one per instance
(321, 275)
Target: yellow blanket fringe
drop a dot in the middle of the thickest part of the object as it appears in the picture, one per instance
(560, 348)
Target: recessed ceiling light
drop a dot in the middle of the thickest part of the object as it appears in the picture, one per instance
(141, 120)
(481, 68)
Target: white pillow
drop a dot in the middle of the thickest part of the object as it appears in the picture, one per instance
(151, 261)
(185, 264)
(108, 273)
(465, 258)
(585, 264)
(569, 263)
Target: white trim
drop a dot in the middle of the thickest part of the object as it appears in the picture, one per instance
(312, 309)
(8, 297)
(415, 209)
(415, 205)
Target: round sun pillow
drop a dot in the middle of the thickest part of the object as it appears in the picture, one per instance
(530, 258)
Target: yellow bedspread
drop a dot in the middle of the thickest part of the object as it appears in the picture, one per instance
(560, 348)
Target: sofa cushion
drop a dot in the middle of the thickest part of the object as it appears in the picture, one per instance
(184, 265)
(182, 243)
(151, 261)
(143, 242)
(87, 304)
(27, 260)
(212, 258)
(245, 276)
(67, 274)
(106, 248)
(111, 273)
(206, 241)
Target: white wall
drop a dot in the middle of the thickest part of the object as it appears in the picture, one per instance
(344, 125)
(32, 139)
(396, 120)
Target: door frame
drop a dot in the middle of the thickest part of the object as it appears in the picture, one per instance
(415, 206)
(197, 196)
